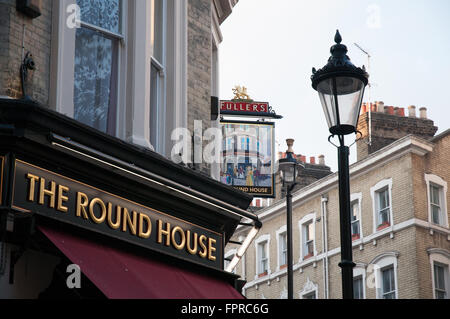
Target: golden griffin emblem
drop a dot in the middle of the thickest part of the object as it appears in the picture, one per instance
(240, 93)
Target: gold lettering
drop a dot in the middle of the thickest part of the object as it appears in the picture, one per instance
(162, 232)
(127, 221)
(142, 218)
(62, 198)
(211, 249)
(33, 179)
(45, 192)
(178, 246)
(116, 224)
(191, 250)
(82, 203)
(101, 219)
(204, 252)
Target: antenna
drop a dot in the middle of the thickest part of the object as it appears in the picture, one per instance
(370, 86)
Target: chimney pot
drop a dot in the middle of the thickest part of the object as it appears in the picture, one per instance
(389, 110)
(423, 113)
(364, 108)
(303, 159)
(412, 111)
(321, 160)
(400, 111)
(373, 107)
(312, 160)
(380, 107)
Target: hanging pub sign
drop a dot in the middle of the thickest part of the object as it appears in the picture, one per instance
(247, 161)
(58, 197)
(243, 105)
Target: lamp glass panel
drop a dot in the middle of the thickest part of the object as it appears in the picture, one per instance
(349, 94)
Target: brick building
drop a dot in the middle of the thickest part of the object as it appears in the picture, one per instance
(91, 93)
(400, 224)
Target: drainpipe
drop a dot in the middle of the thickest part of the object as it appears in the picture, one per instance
(325, 244)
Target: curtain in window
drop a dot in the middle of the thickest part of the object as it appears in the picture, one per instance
(96, 64)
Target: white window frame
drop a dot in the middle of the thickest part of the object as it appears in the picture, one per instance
(261, 240)
(386, 183)
(440, 256)
(135, 58)
(438, 181)
(306, 220)
(360, 271)
(382, 262)
(63, 58)
(357, 197)
(279, 233)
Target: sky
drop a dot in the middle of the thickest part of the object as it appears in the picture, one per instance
(271, 46)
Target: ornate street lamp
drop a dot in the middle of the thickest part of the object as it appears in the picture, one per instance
(289, 172)
(341, 87)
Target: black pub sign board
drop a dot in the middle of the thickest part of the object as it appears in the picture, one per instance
(58, 197)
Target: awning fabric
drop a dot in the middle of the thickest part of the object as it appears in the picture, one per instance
(122, 275)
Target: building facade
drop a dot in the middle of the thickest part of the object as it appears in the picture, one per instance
(94, 97)
(400, 224)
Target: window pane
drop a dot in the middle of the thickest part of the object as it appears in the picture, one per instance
(434, 191)
(355, 211)
(309, 231)
(95, 80)
(355, 228)
(439, 277)
(388, 283)
(101, 13)
(435, 214)
(158, 30)
(358, 288)
(383, 199)
(154, 102)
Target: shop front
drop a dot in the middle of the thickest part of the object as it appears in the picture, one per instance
(133, 223)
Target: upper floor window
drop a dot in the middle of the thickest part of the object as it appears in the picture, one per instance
(356, 233)
(157, 69)
(263, 259)
(262, 245)
(382, 204)
(307, 231)
(96, 64)
(383, 208)
(437, 200)
(282, 247)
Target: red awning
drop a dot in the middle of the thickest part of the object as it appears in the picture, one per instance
(122, 275)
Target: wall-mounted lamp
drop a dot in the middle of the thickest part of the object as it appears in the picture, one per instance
(31, 8)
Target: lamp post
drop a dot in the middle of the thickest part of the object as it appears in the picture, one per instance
(289, 172)
(341, 87)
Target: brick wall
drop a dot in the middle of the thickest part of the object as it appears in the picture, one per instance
(388, 127)
(199, 65)
(37, 40)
